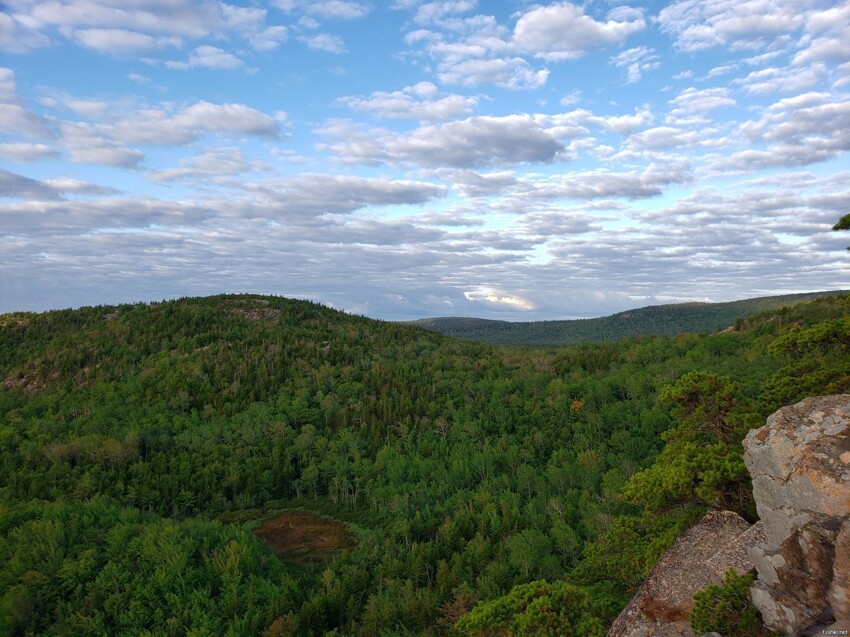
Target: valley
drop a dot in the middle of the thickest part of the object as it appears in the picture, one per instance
(410, 483)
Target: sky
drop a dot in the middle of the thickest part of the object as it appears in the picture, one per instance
(404, 159)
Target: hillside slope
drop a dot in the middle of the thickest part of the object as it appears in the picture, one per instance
(657, 320)
(142, 445)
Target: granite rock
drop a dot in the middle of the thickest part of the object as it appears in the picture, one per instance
(800, 466)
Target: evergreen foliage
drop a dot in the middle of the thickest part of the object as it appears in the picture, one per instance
(537, 608)
(726, 609)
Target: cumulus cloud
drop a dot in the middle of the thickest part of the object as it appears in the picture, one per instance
(161, 125)
(111, 139)
(475, 141)
(15, 118)
(325, 42)
(783, 80)
(476, 50)
(664, 137)
(171, 17)
(85, 145)
(210, 57)
(636, 61)
(513, 73)
(121, 41)
(211, 165)
(434, 12)
(15, 186)
(802, 130)
(329, 9)
(693, 100)
(697, 25)
(563, 31)
(269, 38)
(473, 184)
(422, 101)
(316, 194)
(603, 184)
(17, 37)
(622, 124)
(24, 152)
(144, 26)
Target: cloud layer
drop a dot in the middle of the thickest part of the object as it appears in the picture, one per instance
(415, 158)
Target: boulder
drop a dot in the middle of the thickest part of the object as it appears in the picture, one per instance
(699, 557)
(800, 467)
(839, 592)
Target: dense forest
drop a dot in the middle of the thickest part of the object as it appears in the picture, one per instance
(658, 320)
(483, 490)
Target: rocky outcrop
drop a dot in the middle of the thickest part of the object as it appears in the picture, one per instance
(699, 558)
(800, 467)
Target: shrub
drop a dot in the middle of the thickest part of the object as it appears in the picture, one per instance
(726, 609)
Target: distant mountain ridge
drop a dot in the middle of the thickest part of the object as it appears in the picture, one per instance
(655, 320)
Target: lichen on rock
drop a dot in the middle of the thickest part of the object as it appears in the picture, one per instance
(800, 467)
(699, 558)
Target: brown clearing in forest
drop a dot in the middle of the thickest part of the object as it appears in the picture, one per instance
(300, 538)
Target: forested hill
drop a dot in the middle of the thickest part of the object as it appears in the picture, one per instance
(246, 465)
(658, 320)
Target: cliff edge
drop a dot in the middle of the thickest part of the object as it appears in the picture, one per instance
(800, 547)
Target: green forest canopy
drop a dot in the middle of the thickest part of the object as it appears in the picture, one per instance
(141, 444)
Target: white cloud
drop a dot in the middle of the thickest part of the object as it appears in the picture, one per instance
(15, 119)
(317, 194)
(138, 78)
(802, 130)
(563, 31)
(329, 9)
(121, 41)
(783, 80)
(622, 124)
(86, 146)
(182, 18)
(110, 140)
(211, 165)
(496, 296)
(475, 141)
(693, 106)
(23, 152)
(693, 100)
(127, 28)
(434, 12)
(16, 37)
(513, 73)
(325, 42)
(574, 97)
(213, 58)
(476, 50)
(473, 184)
(702, 24)
(666, 137)
(422, 101)
(269, 38)
(209, 57)
(636, 61)
(15, 186)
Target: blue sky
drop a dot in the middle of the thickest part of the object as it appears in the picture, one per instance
(404, 159)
